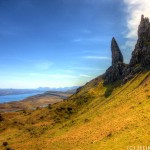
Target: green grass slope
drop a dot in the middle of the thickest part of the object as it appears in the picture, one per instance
(95, 118)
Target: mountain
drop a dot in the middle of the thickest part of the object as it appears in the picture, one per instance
(57, 89)
(16, 91)
(111, 112)
(40, 89)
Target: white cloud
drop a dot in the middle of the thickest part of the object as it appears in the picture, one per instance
(135, 8)
(128, 44)
(97, 57)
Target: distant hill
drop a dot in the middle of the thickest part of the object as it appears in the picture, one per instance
(43, 89)
(32, 102)
(58, 89)
(16, 91)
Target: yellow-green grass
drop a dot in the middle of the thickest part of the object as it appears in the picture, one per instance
(95, 122)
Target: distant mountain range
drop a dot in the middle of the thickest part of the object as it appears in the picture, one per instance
(57, 89)
(40, 89)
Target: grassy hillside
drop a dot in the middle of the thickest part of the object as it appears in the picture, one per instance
(95, 118)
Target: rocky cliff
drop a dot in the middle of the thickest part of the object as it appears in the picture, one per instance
(141, 53)
(140, 59)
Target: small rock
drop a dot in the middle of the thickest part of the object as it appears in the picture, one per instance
(1, 118)
(5, 143)
(10, 149)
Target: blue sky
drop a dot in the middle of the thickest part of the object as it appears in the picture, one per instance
(57, 43)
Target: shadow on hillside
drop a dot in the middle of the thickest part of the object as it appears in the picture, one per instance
(111, 87)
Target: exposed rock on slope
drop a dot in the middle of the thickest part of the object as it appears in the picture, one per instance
(116, 53)
(115, 71)
(141, 53)
(140, 56)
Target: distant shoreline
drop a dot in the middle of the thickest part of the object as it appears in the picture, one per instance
(16, 97)
(33, 101)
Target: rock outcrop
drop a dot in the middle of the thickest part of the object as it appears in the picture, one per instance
(115, 71)
(141, 53)
(116, 53)
(140, 59)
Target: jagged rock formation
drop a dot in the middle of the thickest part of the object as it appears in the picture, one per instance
(115, 71)
(140, 59)
(141, 53)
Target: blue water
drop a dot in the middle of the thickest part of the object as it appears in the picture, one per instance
(18, 97)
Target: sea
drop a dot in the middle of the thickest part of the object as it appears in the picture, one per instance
(17, 97)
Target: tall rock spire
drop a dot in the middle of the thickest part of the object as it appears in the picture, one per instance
(116, 53)
(144, 28)
(141, 53)
(115, 71)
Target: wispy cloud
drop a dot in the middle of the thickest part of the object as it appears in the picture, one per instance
(77, 40)
(85, 75)
(86, 31)
(88, 69)
(135, 8)
(88, 39)
(44, 65)
(97, 57)
(59, 76)
(65, 70)
(128, 44)
(55, 76)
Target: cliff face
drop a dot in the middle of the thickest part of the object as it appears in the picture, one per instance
(141, 53)
(140, 59)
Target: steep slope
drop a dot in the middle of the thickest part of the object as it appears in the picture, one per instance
(94, 123)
